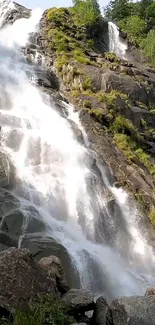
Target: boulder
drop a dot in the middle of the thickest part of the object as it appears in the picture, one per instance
(41, 246)
(101, 314)
(52, 265)
(79, 300)
(150, 292)
(21, 278)
(18, 220)
(133, 311)
(125, 84)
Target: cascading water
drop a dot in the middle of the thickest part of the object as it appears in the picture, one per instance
(55, 176)
(116, 44)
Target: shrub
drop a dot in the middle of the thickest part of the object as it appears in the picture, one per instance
(56, 15)
(144, 158)
(85, 12)
(125, 144)
(45, 311)
(87, 83)
(87, 104)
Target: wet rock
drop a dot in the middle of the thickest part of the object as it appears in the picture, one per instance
(16, 12)
(77, 132)
(79, 300)
(101, 314)
(18, 221)
(150, 292)
(7, 241)
(7, 171)
(21, 278)
(133, 310)
(41, 247)
(52, 265)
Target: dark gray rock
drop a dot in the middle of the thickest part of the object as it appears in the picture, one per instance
(133, 311)
(16, 12)
(79, 300)
(101, 314)
(124, 84)
(21, 278)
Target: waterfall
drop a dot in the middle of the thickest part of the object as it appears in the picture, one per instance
(54, 175)
(116, 44)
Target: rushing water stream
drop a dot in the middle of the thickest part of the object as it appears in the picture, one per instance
(54, 176)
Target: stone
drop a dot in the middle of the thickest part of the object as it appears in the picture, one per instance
(41, 246)
(133, 311)
(21, 278)
(150, 292)
(16, 12)
(125, 84)
(52, 265)
(101, 314)
(79, 300)
(7, 171)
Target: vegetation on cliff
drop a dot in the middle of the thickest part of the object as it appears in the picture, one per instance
(137, 19)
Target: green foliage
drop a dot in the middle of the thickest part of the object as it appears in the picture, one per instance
(118, 9)
(135, 27)
(148, 46)
(56, 14)
(91, 43)
(87, 83)
(144, 158)
(60, 61)
(87, 103)
(122, 125)
(125, 144)
(85, 12)
(112, 57)
(152, 216)
(45, 311)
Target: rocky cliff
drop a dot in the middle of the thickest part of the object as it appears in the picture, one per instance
(115, 99)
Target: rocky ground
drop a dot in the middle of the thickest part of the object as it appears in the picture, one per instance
(22, 281)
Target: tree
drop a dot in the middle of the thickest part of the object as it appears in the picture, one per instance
(87, 12)
(148, 45)
(135, 28)
(118, 10)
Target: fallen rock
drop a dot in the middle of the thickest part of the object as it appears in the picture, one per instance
(79, 300)
(102, 314)
(21, 278)
(133, 311)
(52, 265)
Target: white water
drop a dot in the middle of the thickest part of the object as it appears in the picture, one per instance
(116, 44)
(55, 178)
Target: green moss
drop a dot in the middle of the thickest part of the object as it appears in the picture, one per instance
(75, 93)
(45, 311)
(87, 104)
(152, 216)
(124, 126)
(109, 98)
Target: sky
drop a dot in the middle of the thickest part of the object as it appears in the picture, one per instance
(44, 4)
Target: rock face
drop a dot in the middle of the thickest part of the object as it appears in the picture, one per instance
(21, 278)
(79, 300)
(133, 310)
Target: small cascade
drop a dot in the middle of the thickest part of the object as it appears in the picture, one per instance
(116, 44)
